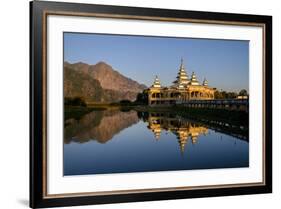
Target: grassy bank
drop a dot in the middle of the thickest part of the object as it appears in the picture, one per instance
(76, 112)
(111, 106)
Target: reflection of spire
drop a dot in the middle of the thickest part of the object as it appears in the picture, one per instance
(156, 83)
(194, 138)
(182, 145)
(157, 133)
(182, 139)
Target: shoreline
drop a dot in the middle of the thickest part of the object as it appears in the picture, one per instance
(238, 118)
(225, 121)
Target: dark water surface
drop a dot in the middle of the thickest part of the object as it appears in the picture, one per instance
(117, 142)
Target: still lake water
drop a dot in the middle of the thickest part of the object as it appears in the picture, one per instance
(103, 142)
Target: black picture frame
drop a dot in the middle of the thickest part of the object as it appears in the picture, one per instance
(38, 12)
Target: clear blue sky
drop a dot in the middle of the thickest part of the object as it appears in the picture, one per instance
(225, 63)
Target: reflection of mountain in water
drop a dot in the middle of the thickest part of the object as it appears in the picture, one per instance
(98, 125)
(102, 126)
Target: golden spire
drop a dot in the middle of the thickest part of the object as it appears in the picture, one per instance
(156, 83)
(181, 66)
(182, 77)
(205, 82)
(194, 81)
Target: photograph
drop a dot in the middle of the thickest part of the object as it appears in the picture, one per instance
(137, 103)
(133, 104)
(140, 104)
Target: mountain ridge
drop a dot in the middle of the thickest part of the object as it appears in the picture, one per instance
(114, 85)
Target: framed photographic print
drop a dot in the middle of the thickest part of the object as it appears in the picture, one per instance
(140, 104)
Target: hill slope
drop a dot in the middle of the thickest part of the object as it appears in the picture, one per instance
(102, 83)
(76, 84)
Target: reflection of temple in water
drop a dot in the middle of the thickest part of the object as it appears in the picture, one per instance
(183, 129)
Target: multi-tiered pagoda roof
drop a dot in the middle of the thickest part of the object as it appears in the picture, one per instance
(182, 78)
(156, 83)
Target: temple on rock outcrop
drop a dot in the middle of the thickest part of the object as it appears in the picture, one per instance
(182, 90)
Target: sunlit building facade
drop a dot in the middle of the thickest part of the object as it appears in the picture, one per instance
(182, 90)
